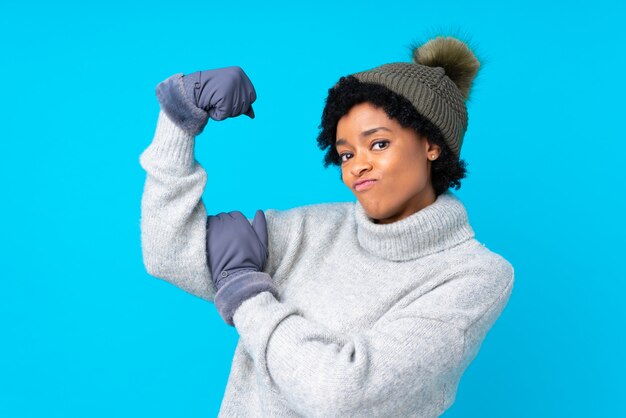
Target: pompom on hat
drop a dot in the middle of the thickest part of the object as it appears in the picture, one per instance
(437, 83)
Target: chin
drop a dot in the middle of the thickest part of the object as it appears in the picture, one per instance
(376, 213)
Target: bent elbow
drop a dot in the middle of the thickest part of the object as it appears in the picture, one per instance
(151, 263)
(178, 263)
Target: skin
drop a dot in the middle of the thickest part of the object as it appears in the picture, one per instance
(398, 159)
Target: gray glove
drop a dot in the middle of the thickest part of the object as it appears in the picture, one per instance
(189, 100)
(236, 254)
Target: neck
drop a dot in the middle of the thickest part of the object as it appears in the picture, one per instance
(419, 202)
(435, 227)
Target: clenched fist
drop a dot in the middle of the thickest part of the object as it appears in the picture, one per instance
(189, 100)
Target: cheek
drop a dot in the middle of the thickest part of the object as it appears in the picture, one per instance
(405, 173)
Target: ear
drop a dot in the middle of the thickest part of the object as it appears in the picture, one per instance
(430, 148)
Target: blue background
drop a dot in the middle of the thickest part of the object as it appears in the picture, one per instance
(87, 332)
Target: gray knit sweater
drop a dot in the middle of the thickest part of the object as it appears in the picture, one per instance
(373, 320)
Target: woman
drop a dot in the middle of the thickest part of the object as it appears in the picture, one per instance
(368, 308)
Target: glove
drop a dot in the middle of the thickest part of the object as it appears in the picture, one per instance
(189, 100)
(236, 254)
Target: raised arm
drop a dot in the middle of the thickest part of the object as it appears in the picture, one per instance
(173, 216)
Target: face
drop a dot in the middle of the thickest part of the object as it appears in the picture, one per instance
(373, 146)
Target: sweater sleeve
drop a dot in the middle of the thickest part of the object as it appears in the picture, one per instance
(398, 366)
(173, 216)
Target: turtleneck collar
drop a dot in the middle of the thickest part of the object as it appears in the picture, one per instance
(438, 226)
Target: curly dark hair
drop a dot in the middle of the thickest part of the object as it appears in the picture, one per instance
(446, 171)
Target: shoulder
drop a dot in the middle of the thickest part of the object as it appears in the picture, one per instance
(317, 213)
(476, 256)
(486, 285)
(489, 276)
(291, 231)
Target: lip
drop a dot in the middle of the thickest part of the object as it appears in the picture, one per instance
(364, 184)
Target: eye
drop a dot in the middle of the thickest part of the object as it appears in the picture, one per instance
(342, 155)
(385, 142)
(381, 142)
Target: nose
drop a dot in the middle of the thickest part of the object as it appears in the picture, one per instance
(360, 164)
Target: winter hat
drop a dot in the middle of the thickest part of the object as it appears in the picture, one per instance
(437, 83)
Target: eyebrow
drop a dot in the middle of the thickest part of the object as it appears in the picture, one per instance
(342, 141)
